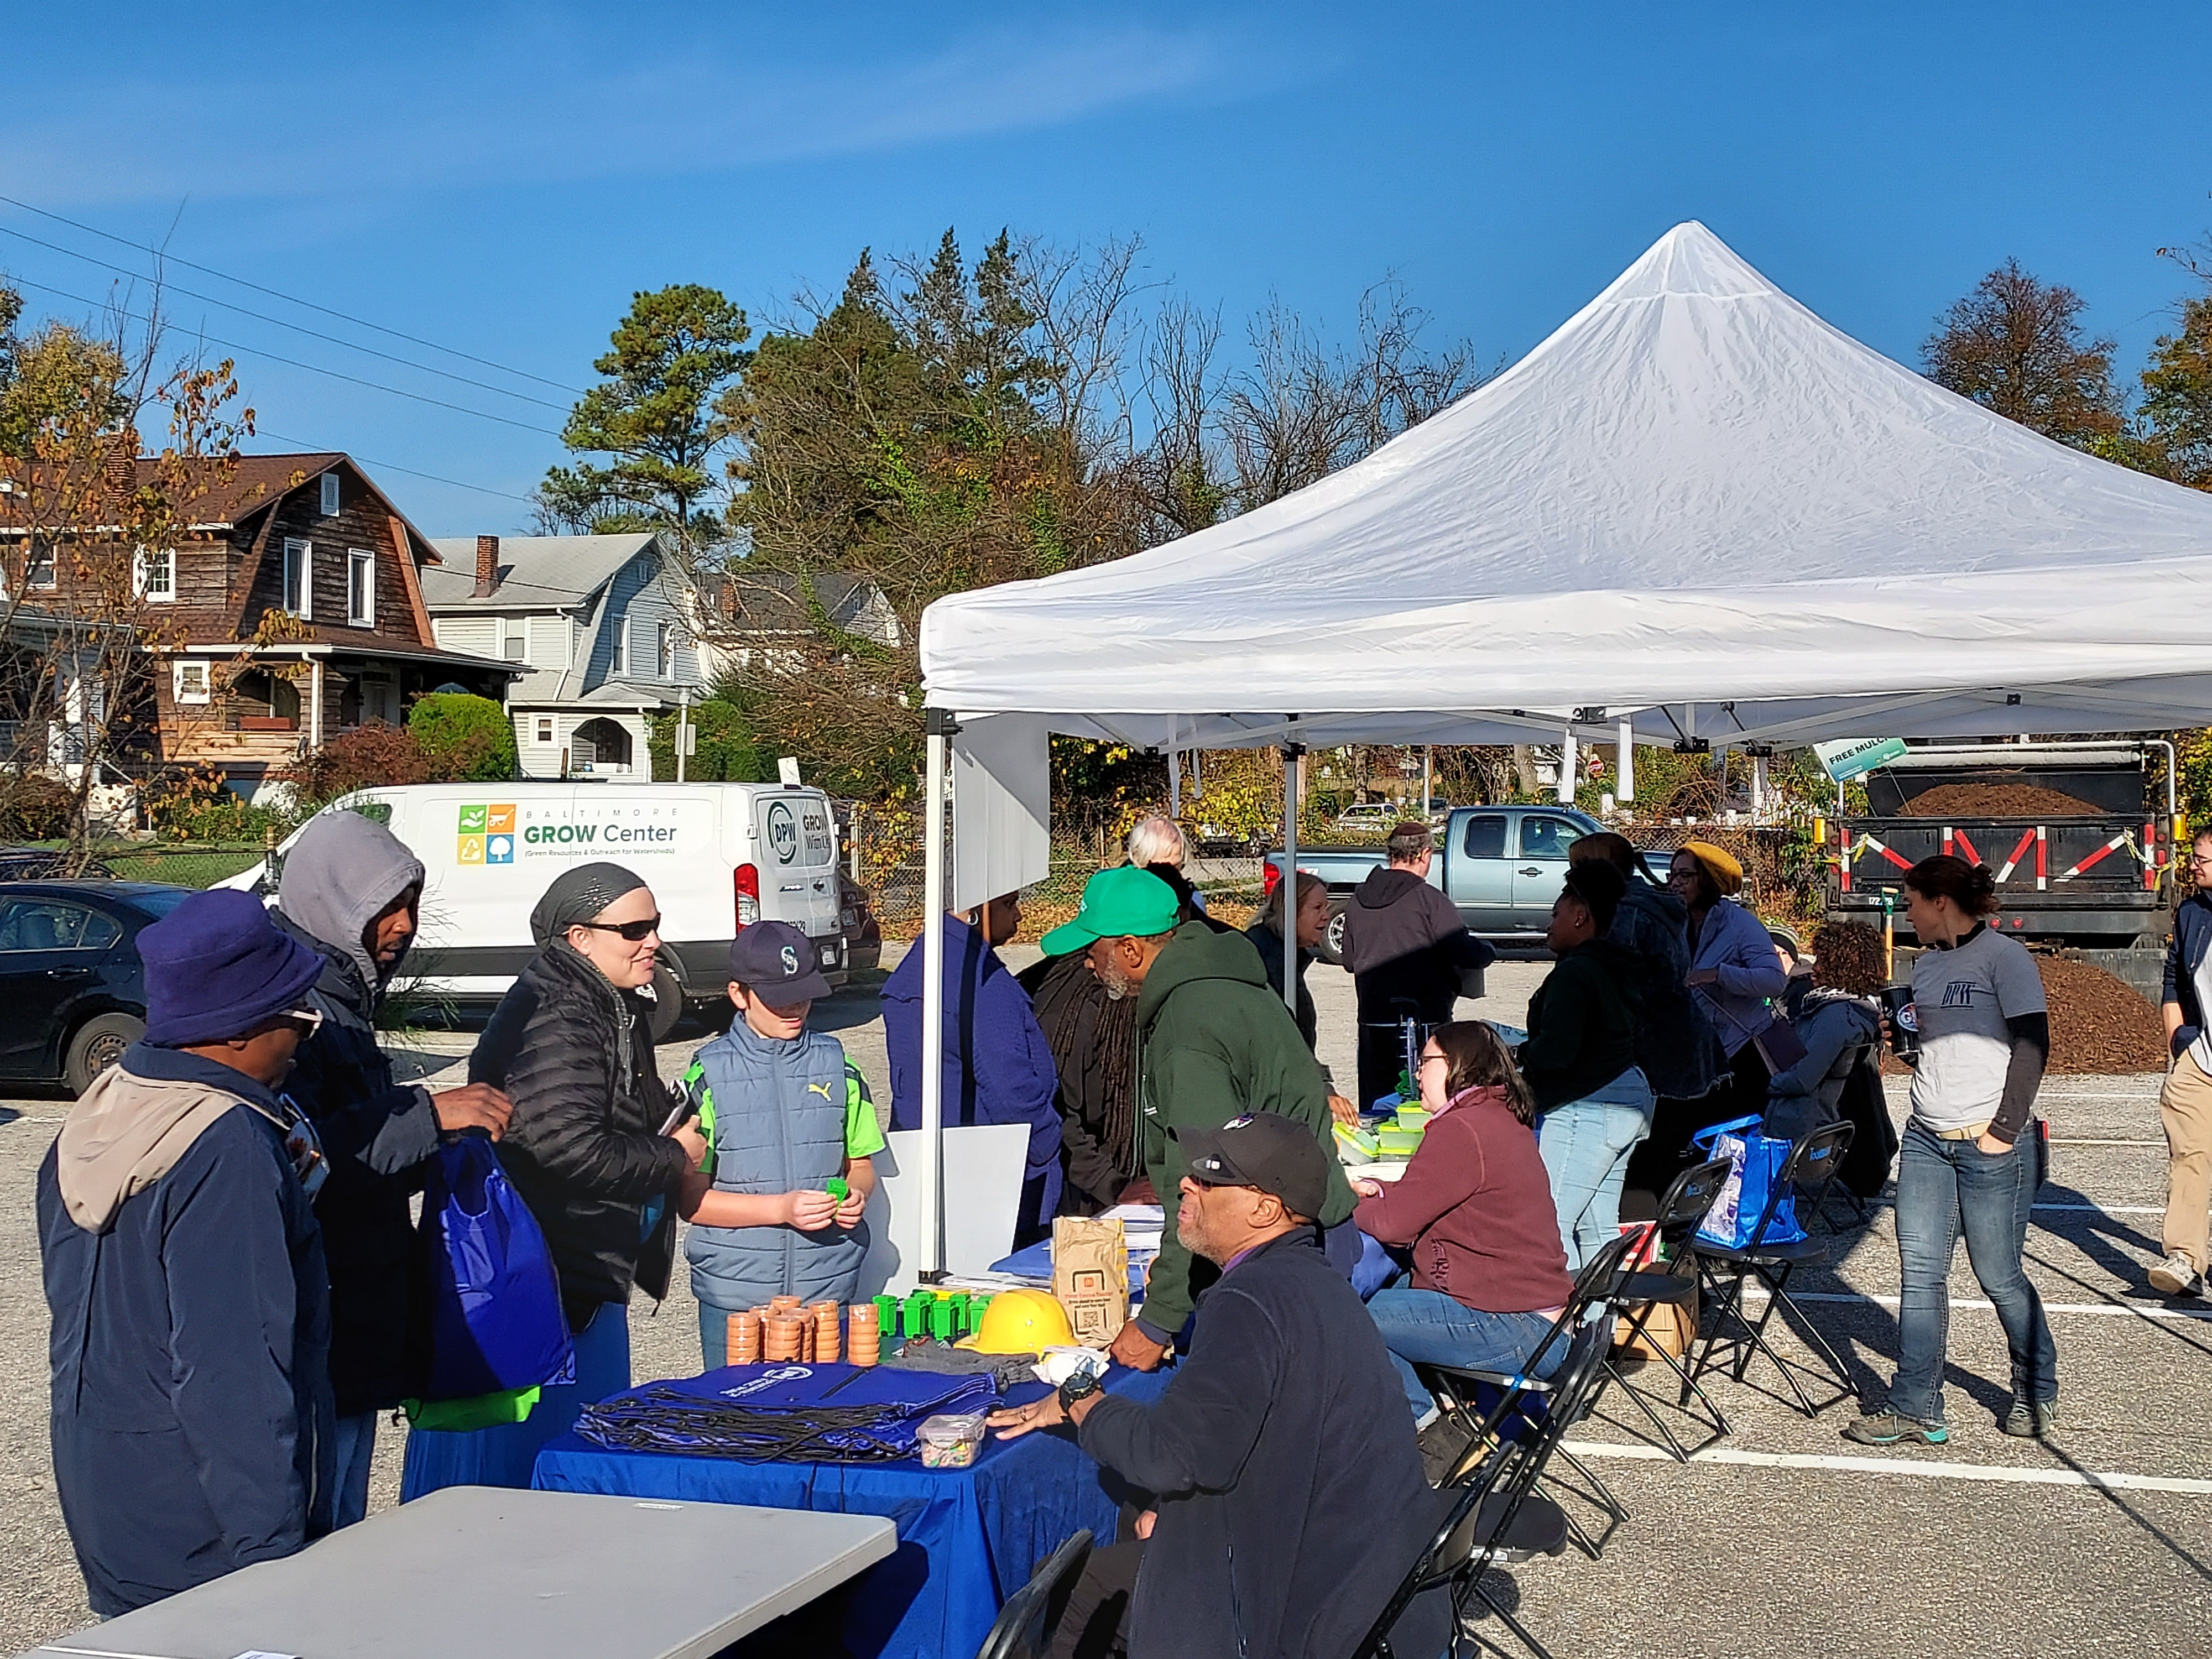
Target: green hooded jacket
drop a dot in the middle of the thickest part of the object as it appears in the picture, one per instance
(1216, 1041)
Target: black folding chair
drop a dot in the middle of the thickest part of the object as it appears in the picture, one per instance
(1489, 1404)
(1682, 1211)
(1496, 1517)
(1023, 1628)
(1861, 1213)
(1724, 1272)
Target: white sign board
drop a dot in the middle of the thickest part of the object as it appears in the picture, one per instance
(1001, 807)
(983, 1166)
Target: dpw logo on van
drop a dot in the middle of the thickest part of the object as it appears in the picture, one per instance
(487, 835)
(782, 833)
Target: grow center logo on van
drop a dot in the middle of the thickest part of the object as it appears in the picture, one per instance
(487, 835)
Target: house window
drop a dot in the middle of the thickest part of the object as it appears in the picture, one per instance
(299, 597)
(361, 588)
(192, 682)
(513, 644)
(154, 575)
(330, 482)
(664, 650)
(38, 565)
(544, 728)
(621, 662)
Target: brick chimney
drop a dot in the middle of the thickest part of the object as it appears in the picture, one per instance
(487, 566)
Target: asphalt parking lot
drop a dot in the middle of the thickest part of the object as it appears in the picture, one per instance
(1781, 1540)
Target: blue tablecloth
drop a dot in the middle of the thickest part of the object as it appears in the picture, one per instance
(968, 1538)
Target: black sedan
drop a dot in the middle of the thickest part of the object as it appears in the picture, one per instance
(72, 991)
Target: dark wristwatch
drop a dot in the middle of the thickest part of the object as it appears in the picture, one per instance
(1081, 1386)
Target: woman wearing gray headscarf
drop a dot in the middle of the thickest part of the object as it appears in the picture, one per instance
(571, 1045)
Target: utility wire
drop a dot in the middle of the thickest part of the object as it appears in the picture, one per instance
(391, 467)
(263, 316)
(289, 299)
(293, 363)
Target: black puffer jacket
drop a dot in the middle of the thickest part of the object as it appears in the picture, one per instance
(575, 1056)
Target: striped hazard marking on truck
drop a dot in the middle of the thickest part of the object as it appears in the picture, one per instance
(2123, 839)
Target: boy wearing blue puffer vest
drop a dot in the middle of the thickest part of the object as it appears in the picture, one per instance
(784, 1114)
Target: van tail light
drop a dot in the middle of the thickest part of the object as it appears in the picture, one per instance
(745, 879)
(1272, 876)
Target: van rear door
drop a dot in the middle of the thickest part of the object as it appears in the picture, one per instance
(797, 846)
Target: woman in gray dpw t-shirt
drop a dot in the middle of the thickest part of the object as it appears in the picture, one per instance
(1970, 1157)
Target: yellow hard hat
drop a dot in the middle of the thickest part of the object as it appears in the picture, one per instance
(1021, 1321)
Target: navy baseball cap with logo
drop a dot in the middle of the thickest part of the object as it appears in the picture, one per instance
(1276, 1154)
(776, 961)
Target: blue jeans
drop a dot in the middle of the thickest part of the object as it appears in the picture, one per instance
(1585, 1145)
(1438, 1330)
(356, 1442)
(1944, 1186)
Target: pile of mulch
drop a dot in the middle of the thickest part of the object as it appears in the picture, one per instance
(2099, 1025)
(1997, 800)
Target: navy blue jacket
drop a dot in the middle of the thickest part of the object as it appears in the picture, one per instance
(1287, 1477)
(998, 1068)
(2192, 934)
(192, 1412)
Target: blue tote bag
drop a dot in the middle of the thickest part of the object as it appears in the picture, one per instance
(493, 1302)
(1757, 1160)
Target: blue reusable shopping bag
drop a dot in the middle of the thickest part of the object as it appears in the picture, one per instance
(495, 1322)
(1757, 1161)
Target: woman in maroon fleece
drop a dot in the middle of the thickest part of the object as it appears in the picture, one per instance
(1489, 1275)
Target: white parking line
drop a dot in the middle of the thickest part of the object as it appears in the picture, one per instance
(2110, 1209)
(2140, 1309)
(2101, 1140)
(1923, 1468)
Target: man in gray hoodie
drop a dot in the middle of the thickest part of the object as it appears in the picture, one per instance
(351, 890)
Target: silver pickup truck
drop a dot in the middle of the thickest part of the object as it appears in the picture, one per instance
(1502, 866)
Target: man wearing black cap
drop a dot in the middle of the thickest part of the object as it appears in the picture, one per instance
(184, 1270)
(1286, 1482)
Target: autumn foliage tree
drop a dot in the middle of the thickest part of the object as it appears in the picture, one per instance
(107, 443)
(2014, 345)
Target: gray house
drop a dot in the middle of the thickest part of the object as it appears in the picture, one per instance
(603, 622)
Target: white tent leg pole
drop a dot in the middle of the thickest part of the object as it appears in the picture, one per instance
(1625, 762)
(1175, 783)
(931, 1185)
(1288, 889)
(1757, 788)
(1566, 768)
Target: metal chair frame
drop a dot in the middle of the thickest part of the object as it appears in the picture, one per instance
(1455, 1389)
(1023, 1628)
(1682, 1210)
(1470, 1541)
(1809, 1171)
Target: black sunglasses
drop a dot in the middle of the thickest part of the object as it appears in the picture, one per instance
(635, 932)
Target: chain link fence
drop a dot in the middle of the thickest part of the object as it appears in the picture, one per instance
(179, 865)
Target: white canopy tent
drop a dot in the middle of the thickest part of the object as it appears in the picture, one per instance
(1695, 510)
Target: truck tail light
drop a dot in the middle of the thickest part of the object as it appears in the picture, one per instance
(745, 879)
(1272, 876)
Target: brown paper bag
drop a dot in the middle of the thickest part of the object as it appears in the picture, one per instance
(1090, 1277)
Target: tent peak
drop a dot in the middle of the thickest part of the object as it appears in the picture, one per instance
(1688, 262)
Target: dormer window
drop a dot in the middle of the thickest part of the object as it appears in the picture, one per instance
(298, 592)
(330, 482)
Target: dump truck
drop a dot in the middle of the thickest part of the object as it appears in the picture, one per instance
(2081, 844)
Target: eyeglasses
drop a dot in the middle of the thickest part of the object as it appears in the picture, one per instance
(635, 932)
(1432, 1059)
(309, 1020)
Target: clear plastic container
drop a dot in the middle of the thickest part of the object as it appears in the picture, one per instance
(950, 1440)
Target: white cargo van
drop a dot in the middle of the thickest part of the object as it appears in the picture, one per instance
(717, 857)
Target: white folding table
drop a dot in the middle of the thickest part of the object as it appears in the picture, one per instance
(476, 1572)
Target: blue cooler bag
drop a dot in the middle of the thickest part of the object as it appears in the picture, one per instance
(1757, 1161)
(493, 1301)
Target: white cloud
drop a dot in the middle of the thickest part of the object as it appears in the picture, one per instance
(550, 110)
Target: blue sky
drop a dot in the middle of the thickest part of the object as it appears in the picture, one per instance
(500, 180)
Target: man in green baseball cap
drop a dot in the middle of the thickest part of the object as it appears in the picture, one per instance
(1215, 1041)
